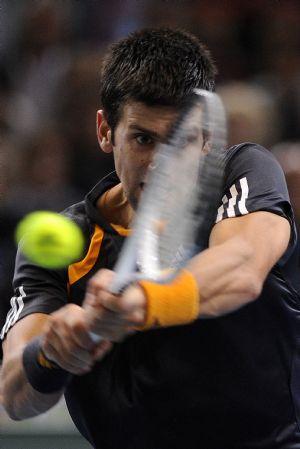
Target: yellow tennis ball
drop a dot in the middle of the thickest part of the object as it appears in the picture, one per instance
(49, 239)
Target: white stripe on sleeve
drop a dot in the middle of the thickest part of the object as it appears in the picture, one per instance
(232, 202)
(239, 193)
(245, 192)
(17, 305)
(221, 209)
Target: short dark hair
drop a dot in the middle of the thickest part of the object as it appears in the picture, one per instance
(157, 66)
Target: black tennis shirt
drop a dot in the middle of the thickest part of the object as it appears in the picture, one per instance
(226, 383)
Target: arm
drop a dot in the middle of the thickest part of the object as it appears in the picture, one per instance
(65, 341)
(228, 275)
(19, 399)
(242, 252)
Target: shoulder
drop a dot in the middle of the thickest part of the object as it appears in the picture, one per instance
(77, 213)
(255, 164)
(85, 213)
(254, 181)
(251, 154)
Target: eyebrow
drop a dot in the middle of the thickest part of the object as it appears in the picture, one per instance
(139, 128)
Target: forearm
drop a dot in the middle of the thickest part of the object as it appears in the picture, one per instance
(40, 354)
(226, 278)
(215, 282)
(20, 400)
(242, 251)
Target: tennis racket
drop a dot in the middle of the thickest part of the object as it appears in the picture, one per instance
(180, 200)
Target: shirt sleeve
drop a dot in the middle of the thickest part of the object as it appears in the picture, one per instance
(254, 182)
(36, 290)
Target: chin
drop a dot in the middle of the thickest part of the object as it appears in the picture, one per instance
(134, 201)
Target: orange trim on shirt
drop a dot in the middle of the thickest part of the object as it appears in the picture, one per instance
(120, 230)
(78, 269)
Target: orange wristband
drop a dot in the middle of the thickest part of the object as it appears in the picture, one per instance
(171, 304)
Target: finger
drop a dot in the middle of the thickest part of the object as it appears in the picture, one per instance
(102, 280)
(69, 361)
(135, 318)
(112, 334)
(102, 349)
(65, 350)
(81, 336)
(123, 319)
(112, 330)
(71, 320)
(65, 362)
(131, 300)
(111, 320)
(94, 300)
(76, 354)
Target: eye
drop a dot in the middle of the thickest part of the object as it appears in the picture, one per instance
(144, 139)
(189, 137)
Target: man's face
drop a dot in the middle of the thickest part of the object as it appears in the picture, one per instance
(136, 136)
(139, 130)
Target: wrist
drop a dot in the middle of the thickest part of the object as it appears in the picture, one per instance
(173, 304)
(43, 360)
(42, 374)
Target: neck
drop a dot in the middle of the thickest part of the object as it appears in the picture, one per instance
(115, 208)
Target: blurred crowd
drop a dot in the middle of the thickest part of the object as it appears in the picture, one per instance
(50, 55)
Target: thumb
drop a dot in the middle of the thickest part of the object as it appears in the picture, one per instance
(101, 349)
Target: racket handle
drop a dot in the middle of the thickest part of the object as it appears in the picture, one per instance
(95, 337)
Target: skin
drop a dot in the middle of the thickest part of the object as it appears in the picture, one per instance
(229, 274)
(135, 138)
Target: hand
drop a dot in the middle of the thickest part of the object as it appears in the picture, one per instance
(67, 342)
(113, 316)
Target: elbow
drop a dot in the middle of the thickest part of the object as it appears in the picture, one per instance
(7, 402)
(9, 409)
(252, 286)
(12, 415)
(11, 403)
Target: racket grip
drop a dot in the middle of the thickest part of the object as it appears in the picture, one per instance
(95, 337)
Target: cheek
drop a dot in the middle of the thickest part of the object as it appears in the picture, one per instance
(131, 165)
(125, 167)
(120, 160)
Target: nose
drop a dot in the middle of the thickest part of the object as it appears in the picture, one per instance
(152, 165)
(148, 168)
(149, 159)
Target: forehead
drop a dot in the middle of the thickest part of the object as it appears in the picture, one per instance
(158, 118)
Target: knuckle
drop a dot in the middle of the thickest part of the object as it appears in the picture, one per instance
(78, 327)
(101, 279)
(113, 303)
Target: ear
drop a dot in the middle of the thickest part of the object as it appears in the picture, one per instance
(103, 132)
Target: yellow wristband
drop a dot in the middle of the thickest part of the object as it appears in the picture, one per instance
(171, 304)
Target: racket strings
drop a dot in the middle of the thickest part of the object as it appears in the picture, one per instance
(181, 198)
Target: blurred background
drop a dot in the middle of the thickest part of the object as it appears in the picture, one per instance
(50, 54)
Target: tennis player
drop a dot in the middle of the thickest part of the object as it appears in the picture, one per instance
(211, 360)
